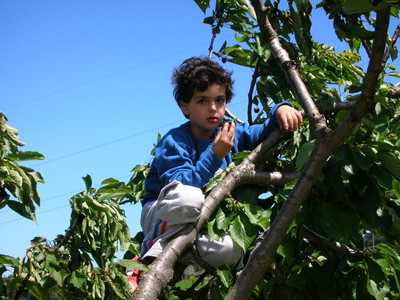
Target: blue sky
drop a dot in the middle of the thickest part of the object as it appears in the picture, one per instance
(87, 84)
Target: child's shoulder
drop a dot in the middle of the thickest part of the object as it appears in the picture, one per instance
(178, 135)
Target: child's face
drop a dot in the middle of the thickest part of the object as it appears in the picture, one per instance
(206, 110)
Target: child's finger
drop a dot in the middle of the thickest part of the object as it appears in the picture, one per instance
(283, 122)
(217, 137)
(232, 130)
(296, 120)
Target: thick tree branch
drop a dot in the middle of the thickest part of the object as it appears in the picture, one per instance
(262, 256)
(152, 283)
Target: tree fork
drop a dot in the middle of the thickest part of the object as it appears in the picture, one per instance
(153, 282)
(287, 66)
(262, 256)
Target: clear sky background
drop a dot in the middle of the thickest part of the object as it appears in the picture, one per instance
(87, 84)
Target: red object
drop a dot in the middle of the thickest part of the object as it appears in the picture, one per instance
(134, 276)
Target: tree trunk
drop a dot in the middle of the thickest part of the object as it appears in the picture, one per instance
(326, 144)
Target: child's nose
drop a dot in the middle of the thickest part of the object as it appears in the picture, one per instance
(213, 106)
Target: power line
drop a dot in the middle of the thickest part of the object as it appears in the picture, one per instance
(39, 213)
(51, 209)
(101, 77)
(105, 144)
(45, 200)
(86, 150)
(115, 141)
(89, 149)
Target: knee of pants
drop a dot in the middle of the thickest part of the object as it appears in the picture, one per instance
(221, 252)
(181, 204)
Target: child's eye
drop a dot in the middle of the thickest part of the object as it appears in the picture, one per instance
(201, 101)
(221, 100)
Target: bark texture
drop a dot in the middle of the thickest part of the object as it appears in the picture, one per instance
(327, 142)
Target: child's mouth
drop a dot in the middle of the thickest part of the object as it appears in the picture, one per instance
(213, 119)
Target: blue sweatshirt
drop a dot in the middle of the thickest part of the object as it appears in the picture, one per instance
(182, 156)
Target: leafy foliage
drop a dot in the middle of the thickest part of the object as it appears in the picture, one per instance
(20, 182)
(327, 253)
(80, 264)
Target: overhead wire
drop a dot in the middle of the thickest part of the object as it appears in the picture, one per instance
(99, 145)
(100, 78)
(86, 150)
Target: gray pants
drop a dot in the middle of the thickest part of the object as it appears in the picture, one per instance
(176, 206)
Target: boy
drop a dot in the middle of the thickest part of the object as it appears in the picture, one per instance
(189, 156)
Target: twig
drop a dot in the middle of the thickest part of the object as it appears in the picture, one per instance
(325, 244)
(393, 41)
(232, 116)
(250, 94)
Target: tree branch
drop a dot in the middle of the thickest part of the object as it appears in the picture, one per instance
(263, 178)
(232, 116)
(394, 91)
(250, 94)
(393, 41)
(288, 67)
(262, 256)
(328, 245)
(152, 283)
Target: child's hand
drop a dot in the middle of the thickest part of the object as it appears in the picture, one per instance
(224, 140)
(288, 118)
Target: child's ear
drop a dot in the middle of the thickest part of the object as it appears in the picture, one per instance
(184, 107)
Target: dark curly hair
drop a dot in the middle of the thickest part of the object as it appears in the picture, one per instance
(197, 73)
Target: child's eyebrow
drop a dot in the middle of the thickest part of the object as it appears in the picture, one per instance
(201, 96)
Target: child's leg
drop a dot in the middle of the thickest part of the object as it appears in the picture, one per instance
(220, 252)
(177, 205)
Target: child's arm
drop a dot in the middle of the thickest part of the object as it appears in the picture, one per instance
(288, 118)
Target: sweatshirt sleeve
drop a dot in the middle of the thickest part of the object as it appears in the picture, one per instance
(249, 137)
(176, 159)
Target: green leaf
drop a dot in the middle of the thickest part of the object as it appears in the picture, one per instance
(243, 232)
(336, 223)
(9, 260)
(77, 279)
(240, 156)
(26, 156)
(58, 278)
(88, 182)
(394, 74)
(257, 215)
(21, 209)
(226, 276)
(391, 163)
(377, 284)
(203, 4)
(213, 232)
(382, 145)
(304, 154)
(209, 20)
(114, 195)
(221, 220)
(133, 264)
(391, 251)
(361, 6)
